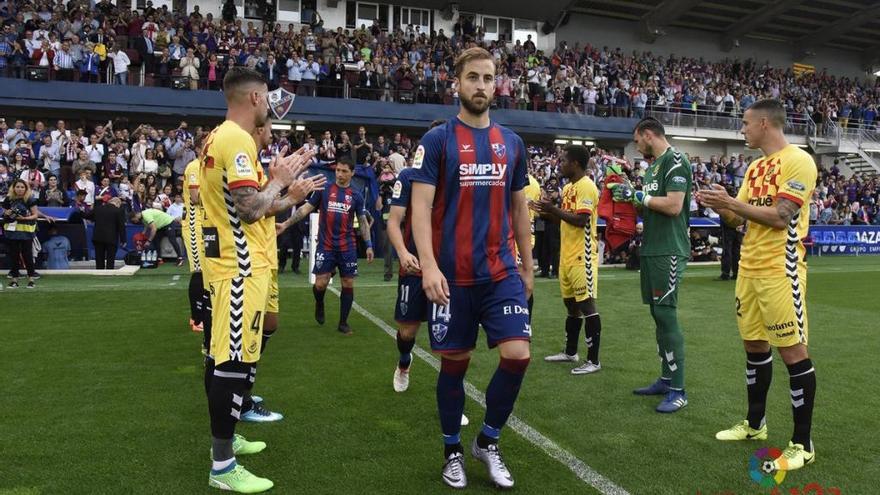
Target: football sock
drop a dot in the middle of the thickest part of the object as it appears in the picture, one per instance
(671, 341)
(405, 348)
(802, 380)
(221, 452)
(501, 394)
(266, 336)
(759, 374)
(345, 302)
(450, 398)
(572, 334)
(196, 288)
(209, 374)
(531, 302)
(248, 402)
(319, 294)
(225, 396)
(592, 334)
(450, 448)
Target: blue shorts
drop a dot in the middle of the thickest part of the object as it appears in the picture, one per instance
(500, 307)
(412, 304)
(328, 261)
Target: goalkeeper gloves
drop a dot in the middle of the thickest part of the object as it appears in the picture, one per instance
(624, 192)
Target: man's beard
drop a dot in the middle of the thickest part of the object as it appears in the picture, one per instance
(263, 119)
(473, 107)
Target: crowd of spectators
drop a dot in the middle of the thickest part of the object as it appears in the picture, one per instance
(75, 42)
(142, 166)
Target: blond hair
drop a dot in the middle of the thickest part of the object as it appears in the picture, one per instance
(470, 55)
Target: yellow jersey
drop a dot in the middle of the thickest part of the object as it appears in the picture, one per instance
(789, 173)
(576, 242)
(193, 214)
(533, 193)
(232, 248)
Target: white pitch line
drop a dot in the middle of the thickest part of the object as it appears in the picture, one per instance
(175, 279)
(580, 469)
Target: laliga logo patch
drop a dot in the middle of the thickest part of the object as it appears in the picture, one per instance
(499, 149)
(243, 165)
(418, 157)
(438, 330)
(280, 102)
(398, 188)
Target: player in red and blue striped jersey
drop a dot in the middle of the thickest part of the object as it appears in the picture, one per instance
(337, 241)
(469, 212)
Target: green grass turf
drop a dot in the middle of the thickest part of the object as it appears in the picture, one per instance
(103, 393)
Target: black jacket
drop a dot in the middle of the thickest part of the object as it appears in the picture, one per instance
(109, 224)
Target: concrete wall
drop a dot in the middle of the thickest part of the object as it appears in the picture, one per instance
(614, 33)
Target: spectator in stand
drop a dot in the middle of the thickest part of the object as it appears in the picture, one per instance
(309, 70)
(20, 215)
(109, 232)
(120, 65)
(63, 63)
(52, 195)
(86, 185)
(189, 67)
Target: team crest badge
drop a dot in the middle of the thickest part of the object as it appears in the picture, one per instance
(280, 102)
(499, 149)
(403, 308)
(438, 330)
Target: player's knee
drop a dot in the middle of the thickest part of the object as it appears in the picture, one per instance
(270, 323)
(515, 349)
(587, 307)
(408, 330)
(794, 354)
(321, 283)
(348, 282)
(757, 346)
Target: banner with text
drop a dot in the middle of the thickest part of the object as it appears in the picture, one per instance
(846, 239)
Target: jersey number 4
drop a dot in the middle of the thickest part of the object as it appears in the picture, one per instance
(255, 325)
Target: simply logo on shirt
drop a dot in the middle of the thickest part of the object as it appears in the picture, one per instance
(338, 207)
(481, 174)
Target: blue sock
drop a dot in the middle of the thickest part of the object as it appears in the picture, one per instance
(345, 302)
(450, 398)
(405, 348)
(500, 397)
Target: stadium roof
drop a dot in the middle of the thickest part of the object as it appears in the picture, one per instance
(807, 24)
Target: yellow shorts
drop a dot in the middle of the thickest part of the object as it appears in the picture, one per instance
(578, 282)
(772, 309)
(272, 305)
(238, 306)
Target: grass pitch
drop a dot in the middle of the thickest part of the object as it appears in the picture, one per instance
(104, 393)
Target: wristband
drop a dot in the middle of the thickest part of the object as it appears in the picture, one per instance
(369, 244)
(646, 200)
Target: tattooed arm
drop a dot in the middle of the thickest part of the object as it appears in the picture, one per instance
(778, 216)
(253, 204)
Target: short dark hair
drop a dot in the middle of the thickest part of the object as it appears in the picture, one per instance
(436, 122)
(650, 124)
(237, 77)
(577, 153)
(773, 108)
(347, 161)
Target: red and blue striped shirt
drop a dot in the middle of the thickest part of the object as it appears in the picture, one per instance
(338, 206)
(475, 172)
